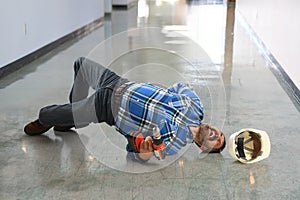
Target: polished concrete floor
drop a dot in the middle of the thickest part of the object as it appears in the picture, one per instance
(239, 91)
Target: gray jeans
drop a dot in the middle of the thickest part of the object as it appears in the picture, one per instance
(84, 109)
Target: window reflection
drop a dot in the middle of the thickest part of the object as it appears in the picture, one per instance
(143, 9)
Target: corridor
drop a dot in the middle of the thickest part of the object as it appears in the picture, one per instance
(163, 41)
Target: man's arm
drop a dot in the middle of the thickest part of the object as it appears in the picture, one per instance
(183, 88)
(179, 87)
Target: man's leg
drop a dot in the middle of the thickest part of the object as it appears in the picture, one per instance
(96, 108)
(87, 74)
(65, 116)
(78, 114)
(103, 80)
(91, 74)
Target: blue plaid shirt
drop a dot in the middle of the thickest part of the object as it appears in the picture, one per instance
(144, 106)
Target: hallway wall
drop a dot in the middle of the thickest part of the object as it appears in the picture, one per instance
(29, 25)
(276, 24)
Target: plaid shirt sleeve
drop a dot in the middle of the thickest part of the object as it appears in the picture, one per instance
(185, 89)
(188, 99)
(175, 137)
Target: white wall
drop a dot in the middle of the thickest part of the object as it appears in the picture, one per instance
(276, 23)
(29, 25)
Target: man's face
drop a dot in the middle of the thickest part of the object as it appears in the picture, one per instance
(209, 138)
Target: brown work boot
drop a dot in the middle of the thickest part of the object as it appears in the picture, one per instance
(35, 128)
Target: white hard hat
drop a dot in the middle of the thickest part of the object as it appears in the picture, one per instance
(249, 145)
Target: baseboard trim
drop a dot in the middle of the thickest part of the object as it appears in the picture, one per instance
(18, 64)
(283, 78)
(124, 6)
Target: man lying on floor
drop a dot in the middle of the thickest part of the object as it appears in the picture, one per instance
(131, 107)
